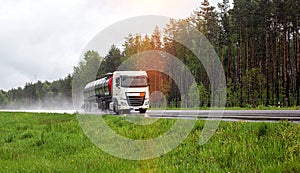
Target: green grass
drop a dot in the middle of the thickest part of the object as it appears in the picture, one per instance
(42, 142)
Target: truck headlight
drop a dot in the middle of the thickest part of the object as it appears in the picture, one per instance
(147, 102)
(123, 103)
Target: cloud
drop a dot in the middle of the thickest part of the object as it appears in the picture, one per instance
(44, 39)
(39, 38)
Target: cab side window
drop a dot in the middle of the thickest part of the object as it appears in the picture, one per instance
(117, 81)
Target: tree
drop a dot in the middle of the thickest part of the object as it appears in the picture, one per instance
(111, 61)
(239, 14)
(87, 71)
(3, 98)
(225, 41)
(156, 43)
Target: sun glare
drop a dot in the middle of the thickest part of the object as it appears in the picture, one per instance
(153, 6)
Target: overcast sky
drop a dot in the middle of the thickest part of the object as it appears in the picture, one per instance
(43, 39)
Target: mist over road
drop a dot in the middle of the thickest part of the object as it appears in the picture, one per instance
(226, 115)
(41, 111)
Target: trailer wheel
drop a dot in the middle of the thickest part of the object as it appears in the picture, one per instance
(103, 106)
(89, 107)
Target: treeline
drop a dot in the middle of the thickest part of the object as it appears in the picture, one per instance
(258, 43)
(56, 94)
(262, 51)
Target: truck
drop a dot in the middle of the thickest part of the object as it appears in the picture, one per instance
(120, 91)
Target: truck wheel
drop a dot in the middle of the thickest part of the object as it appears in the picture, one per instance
(88, 109)
(116, 109)
(142, 111)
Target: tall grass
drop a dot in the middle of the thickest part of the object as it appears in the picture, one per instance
(56, 143)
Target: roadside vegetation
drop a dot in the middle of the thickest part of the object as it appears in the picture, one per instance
(39, 142)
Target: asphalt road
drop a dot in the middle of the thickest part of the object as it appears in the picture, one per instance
(226, 115)
(231, 115)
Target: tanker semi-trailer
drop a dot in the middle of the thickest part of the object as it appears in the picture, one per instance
(120, 92)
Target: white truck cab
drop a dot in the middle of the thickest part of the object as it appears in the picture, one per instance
(130, 91)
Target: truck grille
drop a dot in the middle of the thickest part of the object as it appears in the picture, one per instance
(135, 100)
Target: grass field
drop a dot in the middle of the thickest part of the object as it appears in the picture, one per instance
(56, 143)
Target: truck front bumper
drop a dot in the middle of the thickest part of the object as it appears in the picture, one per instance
(123, 105)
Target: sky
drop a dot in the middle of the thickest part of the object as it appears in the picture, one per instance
(44, 39)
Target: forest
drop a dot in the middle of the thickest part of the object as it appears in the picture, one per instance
(257, 41)
(55, 94)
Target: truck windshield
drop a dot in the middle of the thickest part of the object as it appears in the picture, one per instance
(134, 81)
